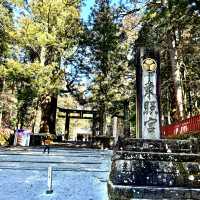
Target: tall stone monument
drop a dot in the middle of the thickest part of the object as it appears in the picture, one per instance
(150, 167)
(147, 80)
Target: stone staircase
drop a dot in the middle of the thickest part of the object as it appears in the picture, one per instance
(155, 169)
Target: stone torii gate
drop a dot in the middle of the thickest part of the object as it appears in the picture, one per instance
(81, 115)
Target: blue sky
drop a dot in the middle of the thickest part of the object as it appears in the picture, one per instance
(86, 10)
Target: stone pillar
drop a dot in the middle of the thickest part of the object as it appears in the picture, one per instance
(148, 118)
(94, 124)
(114, 128)
(126, 119)
(67, 122)
(102, 119)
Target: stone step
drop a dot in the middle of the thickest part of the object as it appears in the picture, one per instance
(121, 192)
(156, 156)
(164, 145)
(155, 169)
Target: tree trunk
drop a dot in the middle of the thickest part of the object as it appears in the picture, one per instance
(168, 108)
(126, 118)
(48, 122)
(48, 118)
(43, 56)
(114, 128)
(52, 115)
(35, 117)
(176, 76)
(94, 124)
(2, 85)
(102, 119)
(44, 128)
(45, 104)
(196, 95)
(67, 123)
(190, 100)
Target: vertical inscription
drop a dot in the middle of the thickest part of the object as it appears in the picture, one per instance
(150, 115)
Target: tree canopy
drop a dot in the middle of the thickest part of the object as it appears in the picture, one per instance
(46, 50)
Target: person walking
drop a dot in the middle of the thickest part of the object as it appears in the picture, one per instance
(46, 142)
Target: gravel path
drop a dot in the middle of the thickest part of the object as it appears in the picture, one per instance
(78, 174)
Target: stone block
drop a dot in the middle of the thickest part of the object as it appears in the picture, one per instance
(154, 173)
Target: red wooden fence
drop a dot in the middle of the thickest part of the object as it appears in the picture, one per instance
(186, 126)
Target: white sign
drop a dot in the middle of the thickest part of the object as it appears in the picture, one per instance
(22, 137)
(150, 114)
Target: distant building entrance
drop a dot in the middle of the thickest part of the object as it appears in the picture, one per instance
(83, 134)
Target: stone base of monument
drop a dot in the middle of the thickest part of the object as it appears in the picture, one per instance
(155, 169)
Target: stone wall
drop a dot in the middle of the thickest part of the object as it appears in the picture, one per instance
(155, 169)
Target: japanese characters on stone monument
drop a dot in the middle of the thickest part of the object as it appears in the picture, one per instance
(147, 64)
(150, 113)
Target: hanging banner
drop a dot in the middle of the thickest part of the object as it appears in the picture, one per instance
(150, 112)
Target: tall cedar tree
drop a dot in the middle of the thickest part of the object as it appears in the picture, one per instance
(46, 31)
(108, 57)
(5, 27)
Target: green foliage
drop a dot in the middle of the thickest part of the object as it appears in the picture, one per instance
(5, 135)
(53, 24)
(40, 38)
(5, 27)
(112, 77)
(173, 27)
(43, 33)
